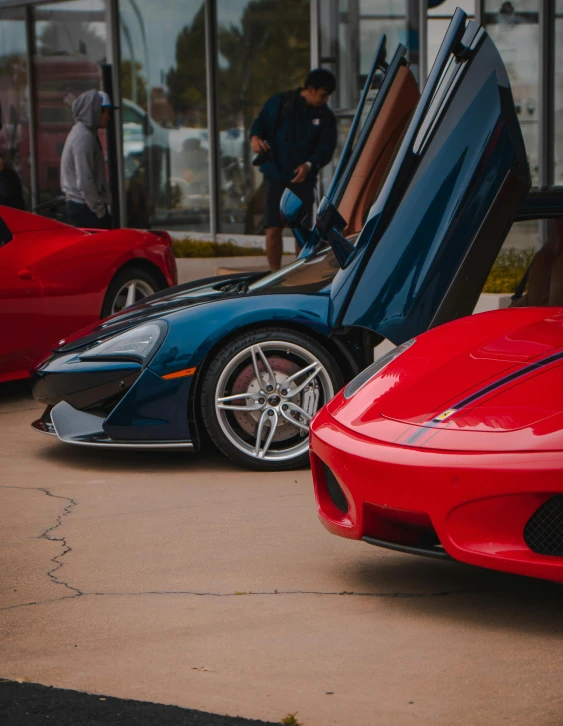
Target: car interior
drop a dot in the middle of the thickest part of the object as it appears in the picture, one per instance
(543, 281)
(369, 172)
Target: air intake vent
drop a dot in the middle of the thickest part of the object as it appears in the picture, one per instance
(335, 492)
(544, 531)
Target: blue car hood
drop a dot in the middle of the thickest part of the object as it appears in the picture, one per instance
(162, 303)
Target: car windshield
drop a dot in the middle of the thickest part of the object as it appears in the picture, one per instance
(306, 275)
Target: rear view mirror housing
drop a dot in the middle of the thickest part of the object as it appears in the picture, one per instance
(330, 224)
(292, 210)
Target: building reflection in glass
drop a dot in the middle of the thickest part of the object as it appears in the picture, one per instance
(14, 100)
(264, 48)
(70, 45)
(514, 27)
(165, 137)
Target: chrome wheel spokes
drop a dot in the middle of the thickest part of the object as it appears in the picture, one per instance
(266, 397)
(254, 405)
(289, 408)
(272, 417)
(313, 371)
(130, 293)
(257, 352)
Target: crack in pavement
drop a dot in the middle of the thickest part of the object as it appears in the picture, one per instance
(66, 547)
(48, 535)
(77, 592)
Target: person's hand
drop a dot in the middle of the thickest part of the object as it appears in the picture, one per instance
(258, 145)
(301, 173)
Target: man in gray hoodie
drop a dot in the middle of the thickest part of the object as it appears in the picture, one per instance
(83, 174)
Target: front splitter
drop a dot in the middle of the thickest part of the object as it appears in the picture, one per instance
(84, 429)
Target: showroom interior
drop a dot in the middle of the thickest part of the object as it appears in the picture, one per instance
(190, 81)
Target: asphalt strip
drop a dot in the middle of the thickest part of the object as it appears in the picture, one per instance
(31, 704)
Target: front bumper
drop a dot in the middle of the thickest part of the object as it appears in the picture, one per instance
(475, 506)
(79, 427)
(112, 405)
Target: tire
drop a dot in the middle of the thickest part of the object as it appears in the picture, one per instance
(281, 415)
(145, 284)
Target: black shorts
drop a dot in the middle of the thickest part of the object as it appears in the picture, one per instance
(273, 191)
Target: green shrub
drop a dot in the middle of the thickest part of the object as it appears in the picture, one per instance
(189, 247)
(508, 270)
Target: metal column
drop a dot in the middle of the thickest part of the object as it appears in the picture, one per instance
(547, 91)
(423, 44)
(212, 121)
(315, 28)
(31, 84)
(114, 58)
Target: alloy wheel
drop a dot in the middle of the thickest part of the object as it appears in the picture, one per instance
(266, 397)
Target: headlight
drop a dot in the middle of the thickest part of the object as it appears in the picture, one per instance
(366, 375)
(139, 343)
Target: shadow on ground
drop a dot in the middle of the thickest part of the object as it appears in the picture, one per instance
(457, 592)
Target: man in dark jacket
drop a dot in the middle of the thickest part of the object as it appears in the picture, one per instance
(295, 132)
(11, 191)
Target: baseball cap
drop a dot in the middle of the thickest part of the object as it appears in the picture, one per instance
(106, 102)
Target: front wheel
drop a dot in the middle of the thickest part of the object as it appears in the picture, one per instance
(260, 392)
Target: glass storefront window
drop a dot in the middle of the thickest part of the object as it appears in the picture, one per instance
(514, 27)
(264, 48)
(14, 100)
(70, 40)
(383, 16)
(164, 112)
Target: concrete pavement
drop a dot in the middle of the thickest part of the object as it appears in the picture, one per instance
(184, 580)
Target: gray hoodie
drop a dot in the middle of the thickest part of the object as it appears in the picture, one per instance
(83, 174)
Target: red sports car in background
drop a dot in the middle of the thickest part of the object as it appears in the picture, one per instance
(452, 445)
(56, 279)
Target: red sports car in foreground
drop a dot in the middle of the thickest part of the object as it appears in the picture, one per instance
(452, 445)
(56, 279)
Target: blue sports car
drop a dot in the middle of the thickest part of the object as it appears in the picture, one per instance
(248, 360)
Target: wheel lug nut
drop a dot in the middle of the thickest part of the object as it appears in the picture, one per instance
(270, 413)
(270, 388)
(285, 407)
(284, 392)
(261, 401)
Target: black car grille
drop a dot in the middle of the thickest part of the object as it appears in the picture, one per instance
(334, 491)
(543, 532)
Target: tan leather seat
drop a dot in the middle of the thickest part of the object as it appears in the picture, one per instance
(370, 170)
(545, 281)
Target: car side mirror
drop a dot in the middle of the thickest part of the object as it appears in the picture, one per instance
(5, 234)
(292, 210)
(330, 224)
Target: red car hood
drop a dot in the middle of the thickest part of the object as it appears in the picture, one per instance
(497, 373)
